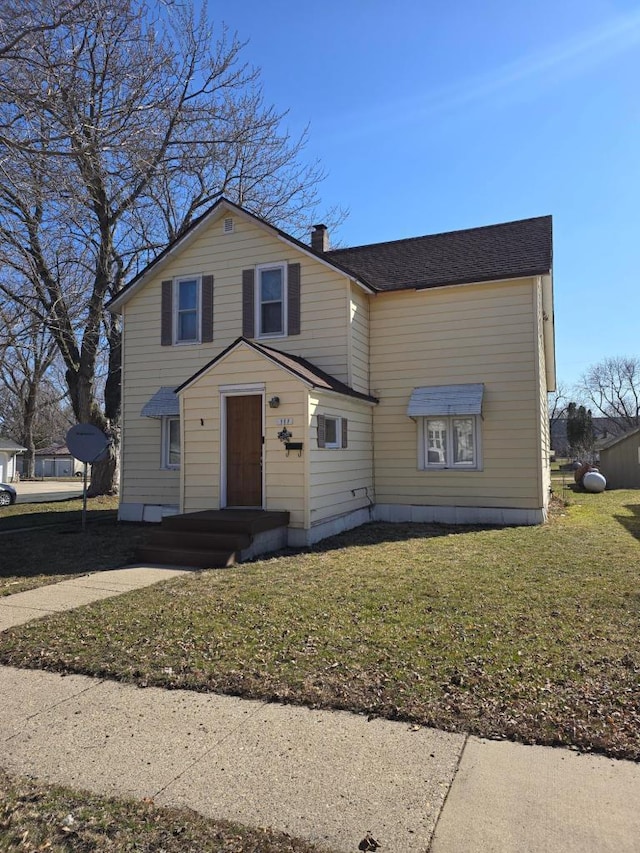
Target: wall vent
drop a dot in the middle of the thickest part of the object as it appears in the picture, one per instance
(227, 227)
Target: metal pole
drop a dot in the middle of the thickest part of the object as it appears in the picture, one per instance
(84, 497)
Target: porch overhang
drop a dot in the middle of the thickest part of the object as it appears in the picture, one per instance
(163, 404)
(443, 400)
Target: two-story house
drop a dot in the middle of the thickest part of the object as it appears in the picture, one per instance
(399, 381)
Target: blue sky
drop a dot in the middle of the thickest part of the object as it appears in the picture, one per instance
(434, 116)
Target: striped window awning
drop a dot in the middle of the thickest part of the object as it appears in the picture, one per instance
(439, 400)
(163, 404)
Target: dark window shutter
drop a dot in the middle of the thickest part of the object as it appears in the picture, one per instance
(248, 303)
(321, 432)
(344, 432)
(166, 322)
(207, 309)
(293, 299)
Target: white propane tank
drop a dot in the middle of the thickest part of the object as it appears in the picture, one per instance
(594, 481)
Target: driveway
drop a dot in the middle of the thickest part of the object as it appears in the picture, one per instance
(42, 491)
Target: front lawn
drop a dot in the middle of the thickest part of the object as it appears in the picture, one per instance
(43, 543)
(35, 818)
(524, 633)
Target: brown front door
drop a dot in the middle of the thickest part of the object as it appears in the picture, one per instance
(244, 450)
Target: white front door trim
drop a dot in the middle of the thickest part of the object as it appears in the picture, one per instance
(255, 389)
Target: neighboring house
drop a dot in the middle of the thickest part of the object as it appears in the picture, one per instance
(8, 451)
(604, 430)
(54, 461)
(401, 381)
(620, 461)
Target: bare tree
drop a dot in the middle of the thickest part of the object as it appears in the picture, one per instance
(612, 387)
(20, 20)
(119, 125)
(30, 404)
(558, 401)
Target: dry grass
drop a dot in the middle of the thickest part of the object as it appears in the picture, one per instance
(524, 633)
(43, 543)
(39, 818)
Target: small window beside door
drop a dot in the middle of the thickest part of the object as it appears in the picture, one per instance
(171, 443)
(332, 431)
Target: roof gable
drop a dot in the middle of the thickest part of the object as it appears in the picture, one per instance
(619, 439)
(209, 217)
(302, 369)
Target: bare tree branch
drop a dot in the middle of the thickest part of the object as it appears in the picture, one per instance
(612, 387)
(120, 123)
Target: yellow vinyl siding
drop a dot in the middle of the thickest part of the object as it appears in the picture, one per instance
(334, 473)
(147, 365)
(143, 479)
(544, 437)
(284, 476)
(472, 333)
(323, 319)
(359, 339)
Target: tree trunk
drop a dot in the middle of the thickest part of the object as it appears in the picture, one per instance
(27, 438)
(105, 476)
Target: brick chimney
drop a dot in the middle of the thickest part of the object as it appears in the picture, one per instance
(320, 238)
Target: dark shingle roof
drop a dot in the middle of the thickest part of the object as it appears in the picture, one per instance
(307, 371)
(509, 250)
(310, 373)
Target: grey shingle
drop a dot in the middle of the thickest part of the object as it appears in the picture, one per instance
(508, 250)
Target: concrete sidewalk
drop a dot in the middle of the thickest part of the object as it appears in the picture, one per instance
(330, 777)
(21, 607)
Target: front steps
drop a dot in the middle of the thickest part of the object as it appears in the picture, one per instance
(214, 539)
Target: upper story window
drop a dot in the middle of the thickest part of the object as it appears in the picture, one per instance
(186, 315)
(187, 310)
(271, 302)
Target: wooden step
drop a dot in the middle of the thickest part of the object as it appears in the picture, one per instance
(227, 521)
(193, 558)
(161, 537)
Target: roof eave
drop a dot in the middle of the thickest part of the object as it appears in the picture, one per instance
(477, 280)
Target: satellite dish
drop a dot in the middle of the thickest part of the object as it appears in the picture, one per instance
(87, 443)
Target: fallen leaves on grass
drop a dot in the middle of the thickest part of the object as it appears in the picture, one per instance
(502, 632)
(40, 818)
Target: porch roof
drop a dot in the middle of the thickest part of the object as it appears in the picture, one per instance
(299, 367)
(163, 404)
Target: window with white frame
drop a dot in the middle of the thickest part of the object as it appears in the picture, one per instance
(186, 301)
(171, 442)
(332, 431)
(450, 442)
(271, 303)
